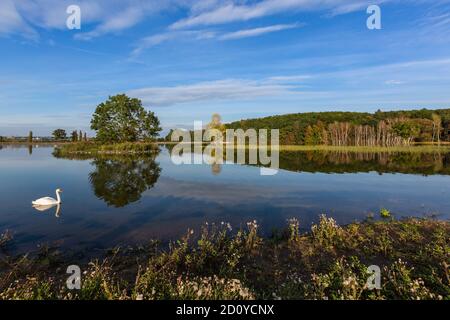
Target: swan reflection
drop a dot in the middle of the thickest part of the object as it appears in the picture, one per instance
(43, 208)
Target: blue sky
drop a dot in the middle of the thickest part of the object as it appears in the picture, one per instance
(243, 59)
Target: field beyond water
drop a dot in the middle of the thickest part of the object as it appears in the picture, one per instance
(145, 147)
(328, 262)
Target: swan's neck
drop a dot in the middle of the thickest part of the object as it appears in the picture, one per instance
(58, 198)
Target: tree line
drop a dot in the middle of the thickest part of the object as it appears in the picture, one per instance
(392, 128)
(75, 136)
(118, 119)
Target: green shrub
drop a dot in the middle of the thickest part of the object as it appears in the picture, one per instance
(385, 213)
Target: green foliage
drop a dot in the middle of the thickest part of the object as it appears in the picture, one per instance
(59, 134)
(385, 213)
(406, 129)
(99, 283)
(74, 136)
(330, 262)
(310, 128)
(327, 233)
(93, 148)
(30, 289)
(344, 280)
(124, 119)
(401, 284)
(316, 134)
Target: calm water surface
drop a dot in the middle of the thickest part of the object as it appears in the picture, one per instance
(118, 201)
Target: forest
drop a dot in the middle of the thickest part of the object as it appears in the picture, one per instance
(382, 128)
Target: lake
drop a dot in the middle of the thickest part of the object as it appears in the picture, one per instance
(126, 200)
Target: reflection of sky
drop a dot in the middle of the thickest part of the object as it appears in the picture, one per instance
(187, 195)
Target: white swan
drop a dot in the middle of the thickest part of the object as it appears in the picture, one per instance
(45, 201)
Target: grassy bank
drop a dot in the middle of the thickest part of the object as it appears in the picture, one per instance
(144, 147)
(429, 148)
(34, 143)
(329, 262)
(97, 148)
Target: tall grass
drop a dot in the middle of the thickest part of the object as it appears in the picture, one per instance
(116, 148)
(374, 149)
(329, 262)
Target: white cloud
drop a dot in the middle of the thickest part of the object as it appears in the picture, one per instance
(151, 41)
(228, 89)
(99, 17)
(366, 85)
(11, 21)
(294, 78)
(233, 11)
(157, 39)
(125, 17)
(246, 33)
(393, 82)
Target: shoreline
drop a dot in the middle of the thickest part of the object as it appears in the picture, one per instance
(327, 262)
(146, 147)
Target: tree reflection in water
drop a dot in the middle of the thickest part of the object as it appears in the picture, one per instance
(121, 181)
(428, 163)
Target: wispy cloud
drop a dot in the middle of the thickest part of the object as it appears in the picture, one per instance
(157, 39)
(294, 78)
(246, 33)
(238, 11)
(393, 82)
(125, 20)
(124, 16)
(100, 17)
(360, 83)
(228, 89)
(11, 22)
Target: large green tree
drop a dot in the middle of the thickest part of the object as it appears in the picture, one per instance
(124, 119)
(59, 134)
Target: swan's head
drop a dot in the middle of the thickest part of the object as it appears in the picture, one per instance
(59, 190)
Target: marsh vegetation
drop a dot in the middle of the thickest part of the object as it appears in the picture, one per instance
(328, 262)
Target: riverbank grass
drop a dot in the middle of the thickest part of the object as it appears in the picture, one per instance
(372, 149)
(97, 148)
(146, 147)
(328, 262)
